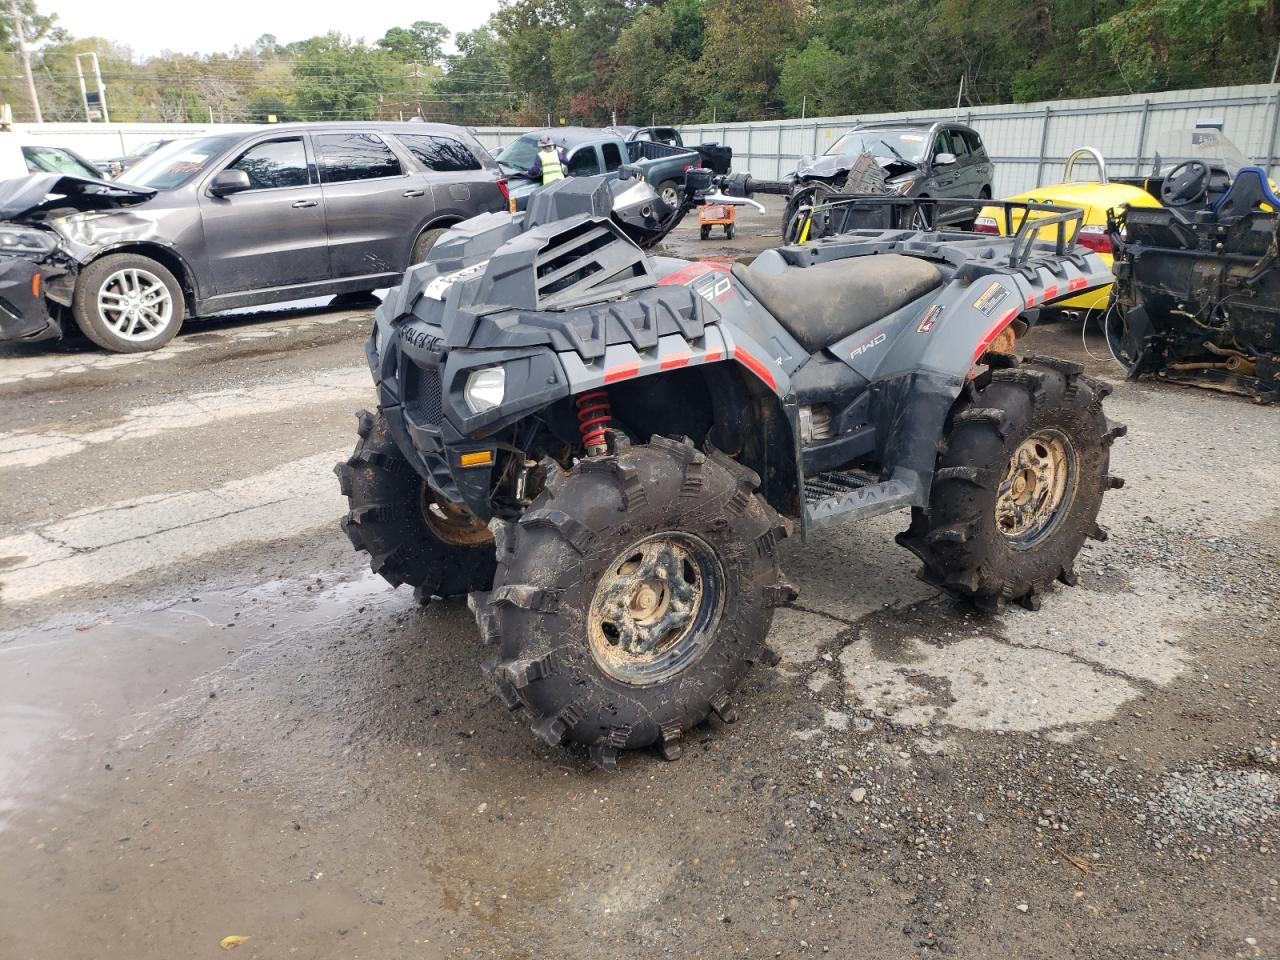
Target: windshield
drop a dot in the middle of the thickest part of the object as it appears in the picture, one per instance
(54, 160)
(147, 149)
(1206, 144)
(908, 145)
(519, 154)
(177, 162)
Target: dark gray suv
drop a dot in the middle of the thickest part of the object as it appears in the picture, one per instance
(940, 159)
(262, 216)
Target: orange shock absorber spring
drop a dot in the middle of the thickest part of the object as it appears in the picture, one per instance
(594, 418)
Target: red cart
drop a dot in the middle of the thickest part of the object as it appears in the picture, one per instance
(717, 215)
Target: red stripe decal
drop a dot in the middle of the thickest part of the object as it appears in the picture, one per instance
(994, 332)
(681, 360)
(1031, 299)
(713, 356)
(1051, 292)
(693, 271)
(1078, 283)
(756, 367)
(620, 373)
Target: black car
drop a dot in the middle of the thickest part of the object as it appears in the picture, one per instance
(215, 223)
(932, 159)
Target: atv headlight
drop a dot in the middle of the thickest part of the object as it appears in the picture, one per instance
(485, 388)
(903, 187)
(25, 240)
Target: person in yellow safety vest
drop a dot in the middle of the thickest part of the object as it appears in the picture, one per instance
(550, 165)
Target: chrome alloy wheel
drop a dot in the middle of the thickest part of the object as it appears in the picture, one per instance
(135, 304)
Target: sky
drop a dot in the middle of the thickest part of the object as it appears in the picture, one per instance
(149, 27)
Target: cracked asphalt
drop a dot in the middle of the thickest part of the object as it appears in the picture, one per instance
(215, 722)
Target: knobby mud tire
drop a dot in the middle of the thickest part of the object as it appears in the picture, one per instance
(385, 519)
(549, 565)
(957, 536)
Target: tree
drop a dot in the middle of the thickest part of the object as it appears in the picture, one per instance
(336, 79)
(475, 89)
(1157, 44)
(742, 55)
(421, 42)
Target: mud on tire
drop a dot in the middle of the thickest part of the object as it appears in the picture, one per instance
(1018, 485)
(388, 502)
(556, 567)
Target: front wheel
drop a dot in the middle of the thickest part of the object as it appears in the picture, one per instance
(128, 303)
(412, 534)
(633, 596)
(1018, 488)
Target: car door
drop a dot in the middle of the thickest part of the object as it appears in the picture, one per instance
(947, 178)
(612, 153)
(372, 205)
(584, 161)
(273, 234)
(460, 185)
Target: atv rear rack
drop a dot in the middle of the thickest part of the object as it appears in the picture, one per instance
(899, 213)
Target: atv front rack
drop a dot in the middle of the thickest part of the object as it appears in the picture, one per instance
(923, 213)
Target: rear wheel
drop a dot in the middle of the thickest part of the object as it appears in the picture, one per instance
(633, 596)
(412, 534)
(729, 231)
(128, 303)
(1018, 487)
(669, 190)
(705, 232)
(426, 240)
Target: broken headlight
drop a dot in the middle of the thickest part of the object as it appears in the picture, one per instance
(25, 240)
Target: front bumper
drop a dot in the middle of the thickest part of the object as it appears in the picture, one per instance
(24, 313)
(420, 384)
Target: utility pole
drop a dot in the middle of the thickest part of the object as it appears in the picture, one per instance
(19, 31)
(97, 104)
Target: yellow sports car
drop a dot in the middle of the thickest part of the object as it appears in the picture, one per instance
(1095, 197)
(1204, 146)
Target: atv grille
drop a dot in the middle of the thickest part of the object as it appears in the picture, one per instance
(820, 486)
(425, 400)
(583, 259)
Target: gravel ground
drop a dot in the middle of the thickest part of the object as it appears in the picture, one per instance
(214, 721)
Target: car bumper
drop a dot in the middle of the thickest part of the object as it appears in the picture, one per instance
(24, 313)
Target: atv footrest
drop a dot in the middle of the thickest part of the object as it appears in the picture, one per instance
(820, 486)
(851, 493)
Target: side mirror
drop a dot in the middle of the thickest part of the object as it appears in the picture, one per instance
(227, 182)
(944, 159)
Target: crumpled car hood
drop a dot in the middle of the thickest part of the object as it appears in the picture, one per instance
(24, 196)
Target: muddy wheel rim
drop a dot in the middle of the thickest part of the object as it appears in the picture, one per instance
(671, 197)
(135, 304)
(452, 522)
(1036, 488)
(656, 608)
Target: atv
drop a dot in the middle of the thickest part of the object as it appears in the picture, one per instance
(604, 448)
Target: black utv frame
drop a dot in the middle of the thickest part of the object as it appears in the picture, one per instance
(1197, 294)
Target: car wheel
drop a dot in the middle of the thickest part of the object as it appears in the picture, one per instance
(669, 190)
(128, 303)
(426, 240)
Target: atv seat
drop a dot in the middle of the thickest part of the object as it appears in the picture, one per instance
(826, 302)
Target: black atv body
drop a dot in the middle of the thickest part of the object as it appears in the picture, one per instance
(636, 434)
